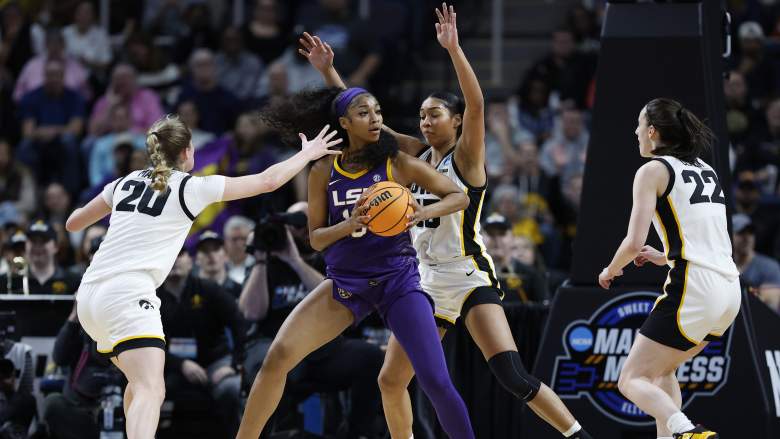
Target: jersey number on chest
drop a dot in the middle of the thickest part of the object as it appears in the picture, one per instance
(706, 176)
(141, 190)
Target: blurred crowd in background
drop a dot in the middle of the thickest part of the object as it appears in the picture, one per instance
(76, 99)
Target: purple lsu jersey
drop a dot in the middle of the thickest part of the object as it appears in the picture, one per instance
(362, 253)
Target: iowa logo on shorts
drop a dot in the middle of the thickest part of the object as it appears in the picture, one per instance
(145, 304)
(597, 348)
(344, 294)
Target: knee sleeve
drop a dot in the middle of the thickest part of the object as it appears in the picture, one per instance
(508, 369)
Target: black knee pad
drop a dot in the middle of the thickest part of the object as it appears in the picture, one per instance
(509, 370)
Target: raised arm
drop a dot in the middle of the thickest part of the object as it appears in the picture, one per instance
(320, 234)
(277, 175)
(471, 146)
(320, 56)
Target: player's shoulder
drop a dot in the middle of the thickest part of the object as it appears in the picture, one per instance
(656, 173)
(322, 166)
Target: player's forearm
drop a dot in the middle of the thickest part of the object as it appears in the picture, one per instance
(323, 237)
(469, 84)
(626, 253)
(267, 181)
(332, 78)
(451, 203)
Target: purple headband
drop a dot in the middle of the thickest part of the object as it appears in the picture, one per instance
(343, 99)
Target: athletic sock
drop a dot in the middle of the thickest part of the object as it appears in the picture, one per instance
(679, 423)
(574, 428)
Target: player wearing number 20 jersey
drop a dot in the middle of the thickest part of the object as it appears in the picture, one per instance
(148, 228)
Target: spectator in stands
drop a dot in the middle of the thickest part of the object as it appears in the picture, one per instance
(90, 241)
(17, 405)
(13, 247)
(195, 315)
(15, 40)
(516, 261)
(357, 50)
(565, 71)
(760, 273)
(44, 275)
(218, 108)
(741, 117)
(164, 18)
(102, 161)
(155, 71)
(264, 34)
(763, 150)
(188, 113)
(198, 32)
(764, 216)
(71, 414)
(754, 63)
(211, 263)
(86, 41)
(501, 140)
(534, 113)
(239, 70)
(52, 121)
(563, 154)
(278, 282)
(143, 103)
(239, 262)
(35, 70)
(17, 187)
(582, 23)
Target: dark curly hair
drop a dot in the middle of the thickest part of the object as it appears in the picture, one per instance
(308, 111)
(682, 134)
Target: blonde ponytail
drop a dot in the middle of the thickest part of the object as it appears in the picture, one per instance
(165, 141)
(160, 171)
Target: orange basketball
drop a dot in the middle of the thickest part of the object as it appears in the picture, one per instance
(388, 205)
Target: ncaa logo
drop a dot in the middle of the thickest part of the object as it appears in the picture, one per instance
(377, 178)
(595, 350)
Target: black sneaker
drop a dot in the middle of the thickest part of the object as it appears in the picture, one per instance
(582, 434)
(700, 432)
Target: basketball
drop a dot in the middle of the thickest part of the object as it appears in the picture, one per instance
(388, 206)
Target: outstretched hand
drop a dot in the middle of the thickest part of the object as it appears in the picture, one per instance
(447, 27)
(320, 145)
(318, 52)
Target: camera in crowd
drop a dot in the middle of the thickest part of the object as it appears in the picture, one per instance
(270, 233)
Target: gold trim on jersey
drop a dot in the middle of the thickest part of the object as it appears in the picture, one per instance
(134, 337)
(390, 170)
(682, 301)
(445, 318)
(461, 230)
(476, 222)
(352, 175)
(679, 227)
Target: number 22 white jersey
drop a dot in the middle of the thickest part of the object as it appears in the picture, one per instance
(690, 217)
(148, 228)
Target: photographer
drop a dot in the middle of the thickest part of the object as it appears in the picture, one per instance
(283, 275)
(200, 356)
(517, 262)
(72, 413)
(17, 405)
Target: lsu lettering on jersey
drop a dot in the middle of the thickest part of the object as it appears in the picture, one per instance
(148, 228)
(690, 217)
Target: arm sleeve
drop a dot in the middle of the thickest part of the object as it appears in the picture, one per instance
(109, 190)
(199, 192)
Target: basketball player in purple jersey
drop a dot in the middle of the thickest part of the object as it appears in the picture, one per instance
(456, 269)
(365, 272)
